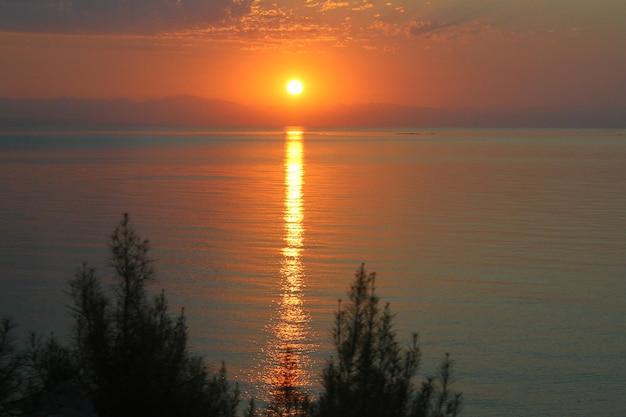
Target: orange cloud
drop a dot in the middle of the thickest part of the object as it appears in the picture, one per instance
(266, 23)
(448, 52)
(330, 5)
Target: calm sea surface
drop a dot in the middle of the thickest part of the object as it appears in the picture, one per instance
(506, 248)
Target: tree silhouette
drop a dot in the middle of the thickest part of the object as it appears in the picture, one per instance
(11, 362)
(287, 399)
(371, 375)
(132, 354)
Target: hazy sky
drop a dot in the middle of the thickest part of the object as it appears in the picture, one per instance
(440, 53)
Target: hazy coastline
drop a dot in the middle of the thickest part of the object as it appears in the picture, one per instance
(196, 111)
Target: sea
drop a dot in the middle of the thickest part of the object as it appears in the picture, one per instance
(505, 248)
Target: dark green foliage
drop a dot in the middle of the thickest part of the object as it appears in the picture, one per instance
(372, 376)
(289, 401)
(11, 362)
(129, 356)
(435, 398)
(287, 398)
(46, 365)
(27, 374)
(49, 362)
(206, 396)
(251, 409)
(132, 354)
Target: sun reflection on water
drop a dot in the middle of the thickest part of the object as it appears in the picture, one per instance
(287, 374)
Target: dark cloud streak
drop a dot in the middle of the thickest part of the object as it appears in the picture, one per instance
(116, 16)
(449, 21)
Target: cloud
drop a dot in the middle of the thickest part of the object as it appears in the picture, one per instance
(422, 27)
(116, 16)
(446, 31)
(364, 6)
(339, 23)
(330, 5)
(296, 23)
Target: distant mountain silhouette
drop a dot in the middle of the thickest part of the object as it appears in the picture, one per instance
(196, 111)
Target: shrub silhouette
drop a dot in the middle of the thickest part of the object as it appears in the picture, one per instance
(11, 363)
(131, 354)
(371, 375)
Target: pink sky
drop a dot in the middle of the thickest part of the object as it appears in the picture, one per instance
(438, 53)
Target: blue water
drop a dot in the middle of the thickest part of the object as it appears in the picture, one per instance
(506, 248)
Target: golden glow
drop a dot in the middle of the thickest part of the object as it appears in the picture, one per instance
(288, 370)
(294, 87)
(293, 198)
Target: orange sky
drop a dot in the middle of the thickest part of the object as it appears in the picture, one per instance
(438, 53)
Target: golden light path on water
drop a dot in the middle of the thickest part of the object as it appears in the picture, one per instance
(287, 373)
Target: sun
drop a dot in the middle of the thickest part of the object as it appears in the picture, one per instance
(294, 87)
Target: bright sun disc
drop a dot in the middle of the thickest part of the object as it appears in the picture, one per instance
(294, 87)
